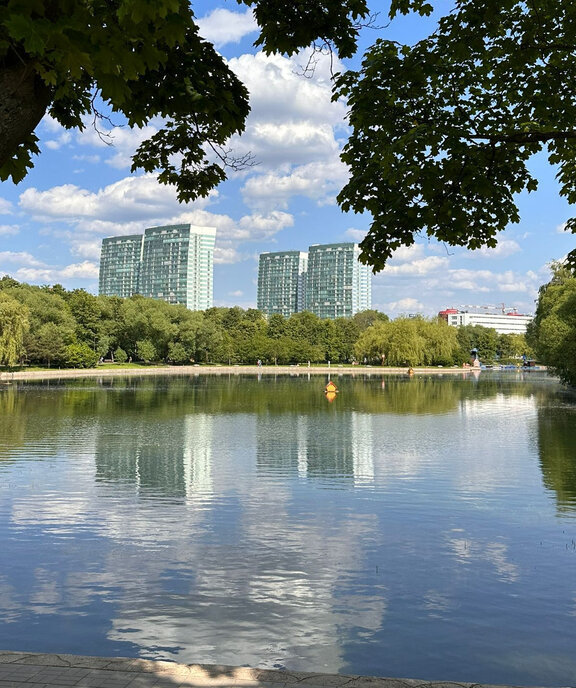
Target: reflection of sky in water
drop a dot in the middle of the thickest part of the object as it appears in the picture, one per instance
(329, 540)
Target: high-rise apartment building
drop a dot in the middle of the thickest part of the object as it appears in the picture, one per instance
(177, 265)
(337, 284)
(120, 260)
(282, 282)
(174, 263)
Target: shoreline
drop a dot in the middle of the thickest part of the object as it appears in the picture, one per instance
(26, 669)
(196, 370)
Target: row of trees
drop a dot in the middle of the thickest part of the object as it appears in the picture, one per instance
(53, 326)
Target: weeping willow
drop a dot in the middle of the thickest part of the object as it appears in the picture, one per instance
(13, 326)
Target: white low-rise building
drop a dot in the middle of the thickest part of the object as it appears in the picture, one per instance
(507, 322)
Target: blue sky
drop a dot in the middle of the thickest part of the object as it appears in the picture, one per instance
(81, 190)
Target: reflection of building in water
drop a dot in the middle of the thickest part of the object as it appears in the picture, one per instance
(338, 445)
(197, 454)
(170, 458)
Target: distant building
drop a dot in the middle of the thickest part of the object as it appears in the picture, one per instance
(172, 263)
(508, 321)
(177, 265)
(282, 282)
(120, 260)
(337, 284)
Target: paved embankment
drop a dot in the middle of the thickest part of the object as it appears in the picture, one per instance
(27, 670)
(223, 370)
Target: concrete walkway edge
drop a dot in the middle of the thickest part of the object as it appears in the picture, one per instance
(30, 670)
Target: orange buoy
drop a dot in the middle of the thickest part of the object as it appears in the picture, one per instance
(330, 387)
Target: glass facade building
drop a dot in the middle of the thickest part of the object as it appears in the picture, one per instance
(120, 260)
(282, 282)
(337, 285)
(175, 264)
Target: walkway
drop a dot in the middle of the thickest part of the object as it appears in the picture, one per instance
(26, 670)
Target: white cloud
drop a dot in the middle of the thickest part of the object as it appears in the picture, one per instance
(318, 181)
(355, 234)
(422, 266)
(224, 255)
(237, 293)
(127, 200)
(20, 257)
(505, 248)
(6, 230)
(293, 119)
(85, 270)
(406, 305)
(5, 207)
(222, 26)
(62, 140)
(120, 141)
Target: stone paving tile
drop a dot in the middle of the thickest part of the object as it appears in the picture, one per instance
(28, 670)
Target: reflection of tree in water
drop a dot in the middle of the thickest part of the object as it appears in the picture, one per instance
(31, 412)
(557, 448)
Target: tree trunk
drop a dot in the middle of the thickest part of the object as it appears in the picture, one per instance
(24, 98)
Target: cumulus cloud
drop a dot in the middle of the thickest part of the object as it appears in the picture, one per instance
(6, 230)
(355, 234)
(20, 258)
(293, 119)
(127, 200)
(406, 305)
(85, 270)
(505, 248)
(5, 207)
(222, 26)
(318, 181)
(421, 266)
(62, 140)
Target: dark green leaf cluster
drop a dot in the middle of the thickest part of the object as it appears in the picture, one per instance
(442, 131)
(289, 26)
(145, 60)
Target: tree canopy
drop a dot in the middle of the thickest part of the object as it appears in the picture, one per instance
(552, 333)
(147, 61)
(442, 131)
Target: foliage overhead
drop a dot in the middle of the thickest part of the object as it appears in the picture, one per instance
(443, 130)
(147, 61)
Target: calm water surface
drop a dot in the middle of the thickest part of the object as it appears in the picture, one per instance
(414, 527)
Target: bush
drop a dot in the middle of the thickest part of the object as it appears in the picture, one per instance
(80, 356)
(120, 356)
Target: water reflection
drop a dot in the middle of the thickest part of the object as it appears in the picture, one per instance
(557, 449)
(250, 522)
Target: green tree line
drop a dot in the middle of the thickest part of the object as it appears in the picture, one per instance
(51, 326)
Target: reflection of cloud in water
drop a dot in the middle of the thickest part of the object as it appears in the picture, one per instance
(9, 602)
(469, 551)
(283, 579)
(482, 468)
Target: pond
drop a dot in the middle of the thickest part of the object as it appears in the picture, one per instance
(414, 527)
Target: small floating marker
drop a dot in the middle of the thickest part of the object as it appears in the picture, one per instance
(330, 391)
